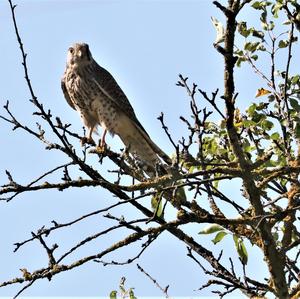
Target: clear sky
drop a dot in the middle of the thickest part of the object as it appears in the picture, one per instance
(145, 45)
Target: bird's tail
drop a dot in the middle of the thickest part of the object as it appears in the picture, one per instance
(140, 145)
(152, 159)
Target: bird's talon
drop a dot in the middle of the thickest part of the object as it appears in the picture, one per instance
(102, 143)
(85, 140)
(101, 148)
(91, 141)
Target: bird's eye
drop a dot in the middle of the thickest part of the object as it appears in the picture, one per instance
(71, 50)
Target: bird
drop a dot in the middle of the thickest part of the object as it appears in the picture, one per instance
(94, 93)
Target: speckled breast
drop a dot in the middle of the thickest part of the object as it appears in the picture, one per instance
(89, 99)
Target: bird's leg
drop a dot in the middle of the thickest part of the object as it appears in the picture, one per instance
(89, 139)
(102, 141)
(101, 148)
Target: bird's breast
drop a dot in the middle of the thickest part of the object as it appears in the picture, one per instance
(91, 101)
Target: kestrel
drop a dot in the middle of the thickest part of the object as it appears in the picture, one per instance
(93, 92)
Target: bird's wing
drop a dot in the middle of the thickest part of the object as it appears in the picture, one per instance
(113, 91)
(66, 94)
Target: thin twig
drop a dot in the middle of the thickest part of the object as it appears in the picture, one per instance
(164, 290)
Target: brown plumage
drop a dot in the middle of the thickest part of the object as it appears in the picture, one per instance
(94, 93)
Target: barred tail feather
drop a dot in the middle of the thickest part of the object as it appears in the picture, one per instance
(160, 153)
(147, 152)
(139, 143)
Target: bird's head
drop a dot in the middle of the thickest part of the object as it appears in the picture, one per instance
(79, 55)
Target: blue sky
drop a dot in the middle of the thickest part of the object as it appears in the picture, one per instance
(145, 45)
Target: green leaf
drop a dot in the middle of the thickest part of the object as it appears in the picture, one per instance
(261, 4)
(252, 47)
(295, 79)
(262, 106)
(287, 22)
(240, 60)
(210, 229)
(275, 236)
(243, 253)
(242, 29)
(263, 19)
(283, 43)
(257, 33)
(257, 117)
(295, 237)
(131, 294)
(261, 47)
(254, 57)
(216, 184)
(241, 249)
(271, 98)
(248, 123)
(249, 149)
(295, 105)
(267, 125)
(236, 240)
(180, 193)
(271, 25)
(219, 237)
(251, 109)
(276, 8)
(297, 130)
(113, 295)
(239, 52)
(275, 136)
(156, 204)
(256, 5)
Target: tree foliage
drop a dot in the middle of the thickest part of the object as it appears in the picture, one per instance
(256, 150)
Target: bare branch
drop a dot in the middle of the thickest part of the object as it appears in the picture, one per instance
(164, 290)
